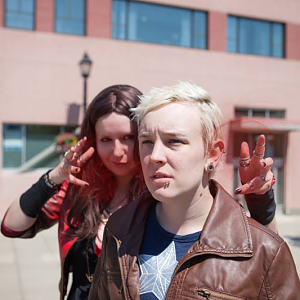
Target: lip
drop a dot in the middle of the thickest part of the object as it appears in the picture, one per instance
(162, 179)
(117, 164)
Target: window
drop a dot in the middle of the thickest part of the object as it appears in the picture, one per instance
(144, 22)
(252, 36)
(259, 113)
(23, 142)
(70, 16)
(19, 14)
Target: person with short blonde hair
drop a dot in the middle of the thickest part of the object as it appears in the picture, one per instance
(186, 237)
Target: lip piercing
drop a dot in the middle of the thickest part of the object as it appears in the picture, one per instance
(166, 184)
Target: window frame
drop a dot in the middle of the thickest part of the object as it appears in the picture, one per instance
(271, 41)
(20, 12)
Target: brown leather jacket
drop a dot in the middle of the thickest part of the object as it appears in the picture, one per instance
(235, 257)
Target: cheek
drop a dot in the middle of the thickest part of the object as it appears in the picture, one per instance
(102, 151)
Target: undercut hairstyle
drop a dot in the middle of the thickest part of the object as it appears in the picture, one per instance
(210, 115)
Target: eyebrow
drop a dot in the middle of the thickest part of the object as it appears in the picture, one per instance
(167, 132)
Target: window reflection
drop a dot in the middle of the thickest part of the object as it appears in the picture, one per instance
(252, 36)
(19, 14)
(70, 16)
(161, 24)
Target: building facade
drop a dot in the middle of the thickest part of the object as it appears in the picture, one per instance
(246, 54)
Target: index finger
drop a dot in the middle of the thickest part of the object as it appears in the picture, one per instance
(260, 146)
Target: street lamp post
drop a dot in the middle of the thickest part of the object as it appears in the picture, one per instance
(85, 67)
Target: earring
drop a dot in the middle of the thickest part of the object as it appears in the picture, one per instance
(210, 168)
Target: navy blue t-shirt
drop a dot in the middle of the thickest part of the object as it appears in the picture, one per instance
(159, 255)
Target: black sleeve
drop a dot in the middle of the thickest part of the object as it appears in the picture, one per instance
(34, 198)
(262, 208)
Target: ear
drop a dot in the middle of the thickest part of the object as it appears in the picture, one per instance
(215, 152)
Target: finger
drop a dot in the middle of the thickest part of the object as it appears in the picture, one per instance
(79, 146)
(266, 164)
(77, 181)
(74, 170)
(85, 156)
(260, 146)
(69, 154)
(245, 152)
(252, 185)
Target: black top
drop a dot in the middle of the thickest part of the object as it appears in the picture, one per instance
(81, 254)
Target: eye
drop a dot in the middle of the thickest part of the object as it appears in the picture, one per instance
(105, 140)
(175, 141)
(146, 142)
(129, 137)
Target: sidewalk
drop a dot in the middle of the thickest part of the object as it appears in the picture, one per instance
(29, 269)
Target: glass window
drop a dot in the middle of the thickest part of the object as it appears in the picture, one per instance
(252, 36)
(145, 22)
(277, 39)
(12, 146)
(23, 142)
(277, 114)
(119, 20)
(159, 24)
(232, 30)
(200, 29)
(70, 16)
(38, 138)
(19, 14)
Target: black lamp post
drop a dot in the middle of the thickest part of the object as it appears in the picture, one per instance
(85, 67)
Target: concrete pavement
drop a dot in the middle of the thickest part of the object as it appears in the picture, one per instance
(30, 270)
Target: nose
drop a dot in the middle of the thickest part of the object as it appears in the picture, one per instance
(157, 155)
(119, 149)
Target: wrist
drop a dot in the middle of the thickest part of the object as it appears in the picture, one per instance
(54, 177)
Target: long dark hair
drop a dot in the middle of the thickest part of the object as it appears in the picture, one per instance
(84, 205)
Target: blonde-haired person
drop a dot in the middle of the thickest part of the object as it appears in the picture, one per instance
(187, 238)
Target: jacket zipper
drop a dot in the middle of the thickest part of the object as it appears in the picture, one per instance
(120, 264)
(207, 294)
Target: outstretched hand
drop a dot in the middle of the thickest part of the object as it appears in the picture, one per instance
(71, 164)
(255, 172)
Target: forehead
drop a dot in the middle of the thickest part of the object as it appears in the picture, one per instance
(113, 123)
(179, 116)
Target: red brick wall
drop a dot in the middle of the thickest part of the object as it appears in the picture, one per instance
(1, 13)
(216, 31)
(292, 41)
(98, 18)
(44, 17)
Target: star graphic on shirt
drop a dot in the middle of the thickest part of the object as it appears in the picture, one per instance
(157, 271)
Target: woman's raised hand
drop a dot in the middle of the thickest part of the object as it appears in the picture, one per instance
(71, 164)
(255, 173)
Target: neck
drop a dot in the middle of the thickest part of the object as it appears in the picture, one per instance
(121, 193)
(185, 217)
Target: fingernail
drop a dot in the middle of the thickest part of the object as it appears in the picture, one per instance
(237, 191)
(264, 164)
(86, 184)
(77, 169)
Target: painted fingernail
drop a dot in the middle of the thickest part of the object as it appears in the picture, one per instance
(77, 169)
(86, 184)
(237, 191)
(264, 164)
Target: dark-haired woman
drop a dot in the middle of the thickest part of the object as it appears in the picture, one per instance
(96, 177)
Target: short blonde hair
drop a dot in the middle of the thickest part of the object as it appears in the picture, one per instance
(211, 117)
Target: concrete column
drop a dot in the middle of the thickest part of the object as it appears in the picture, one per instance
(44, 15)
(216, 31)
(292, 41)
(98, 18)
